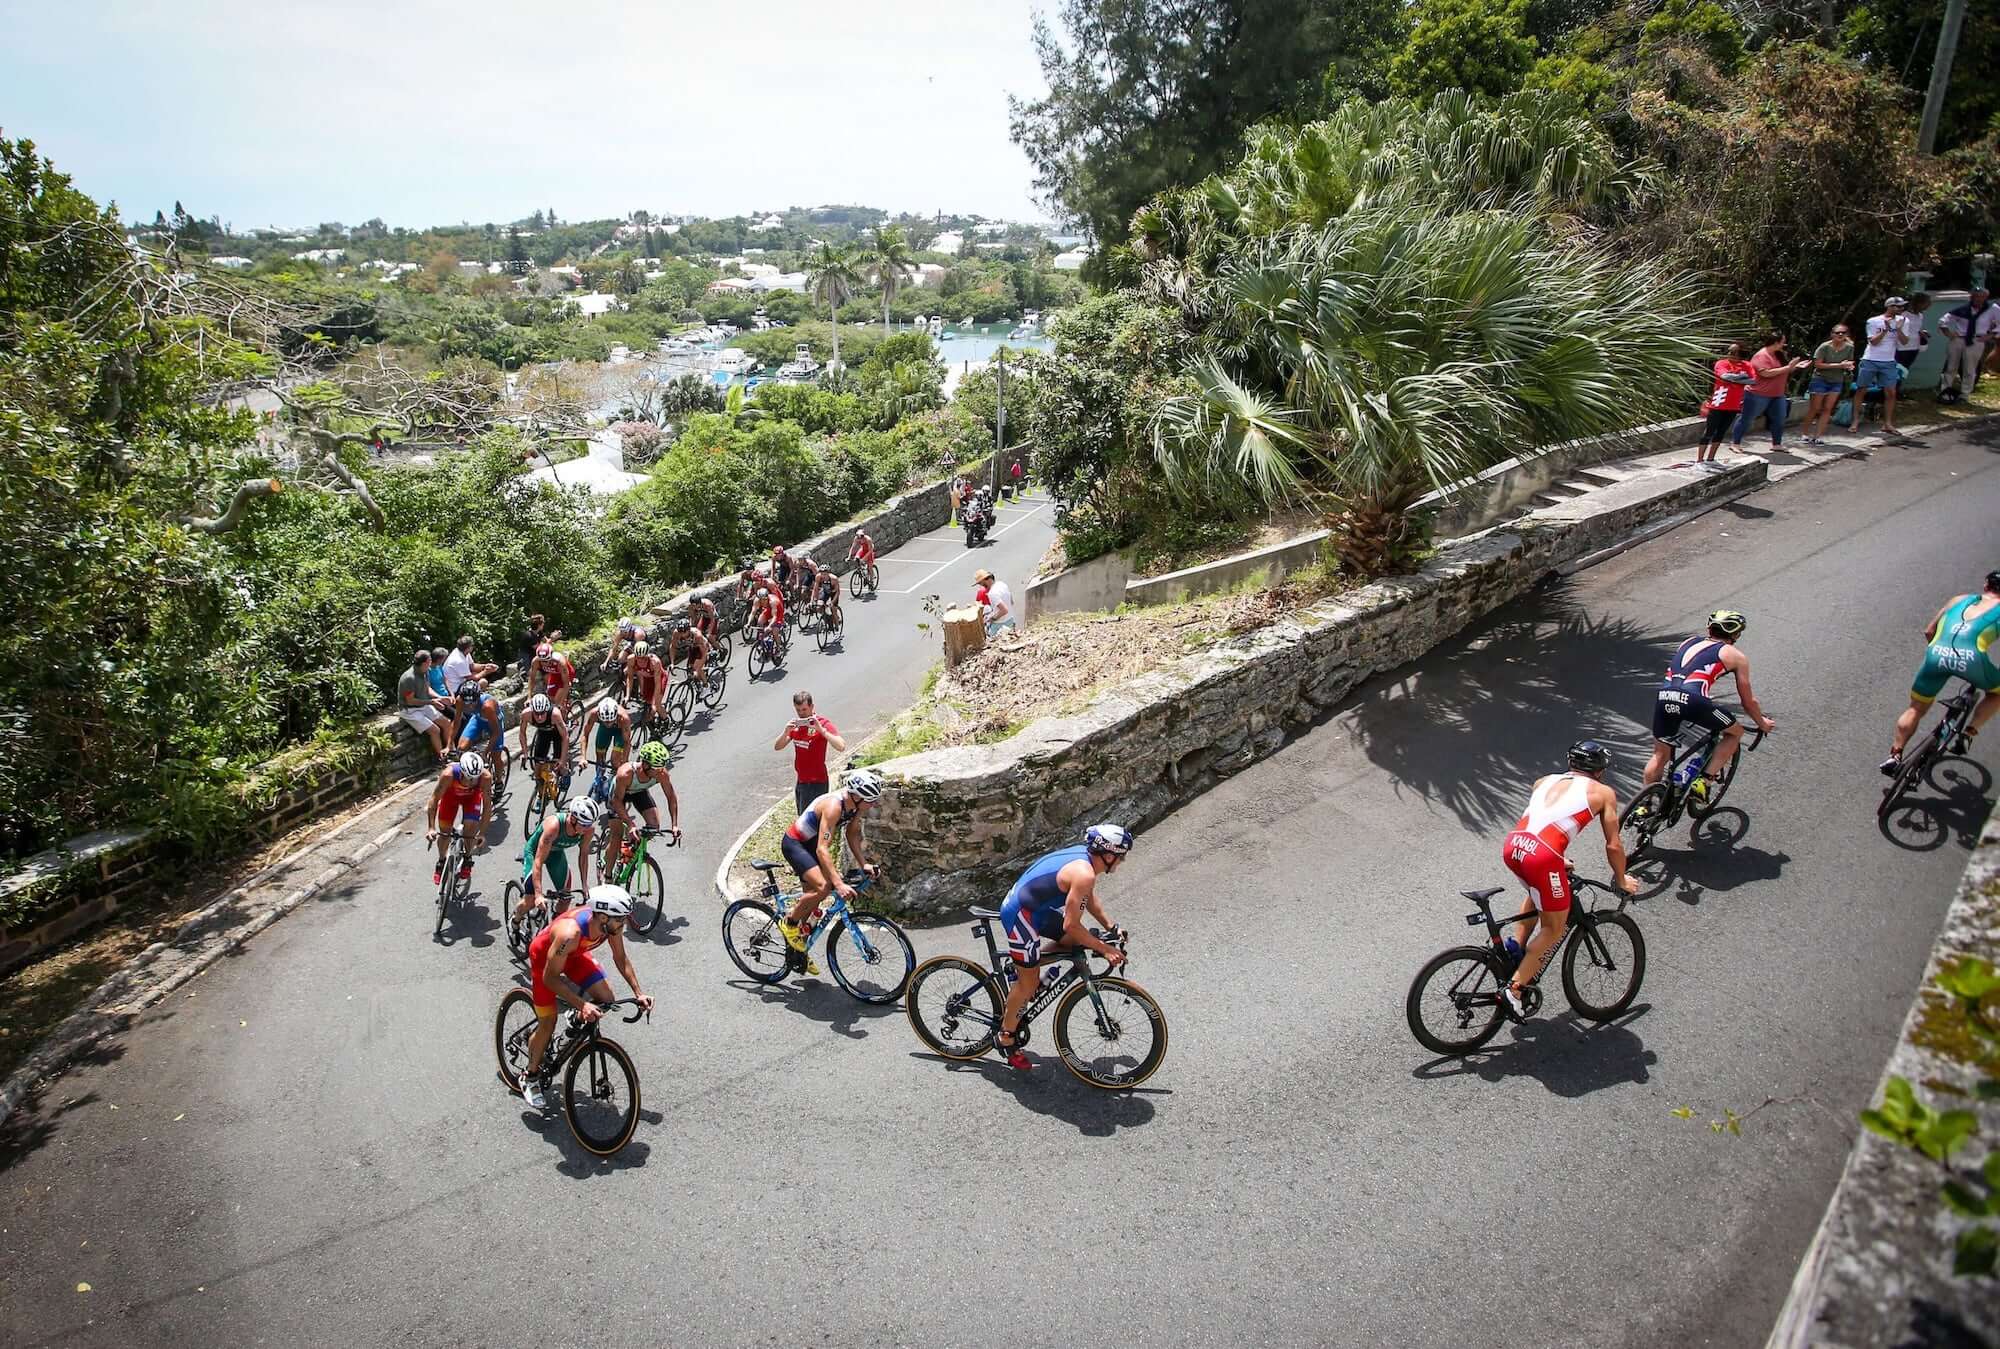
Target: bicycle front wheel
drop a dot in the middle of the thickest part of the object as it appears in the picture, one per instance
(954, 1006)
(854, 583)
(717, 681)
(1454, 1002)
(1644, 818)
(1603, 962)
(517, 935)
(512, 1030)
(828, 635)
(447, 883)
(750, 932)
(601, 1097)
(1114, 1040)
(648, 889)
(870, 957)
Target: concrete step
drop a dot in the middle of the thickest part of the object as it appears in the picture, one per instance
(1601, 476)
(1579, 485)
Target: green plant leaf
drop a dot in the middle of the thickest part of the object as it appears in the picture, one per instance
(1877, 1123)
(1978, 1249)
(1944, 1134)
(1970, 978)
(1961, 1199)
(1991, 1170)
(1682, 1112)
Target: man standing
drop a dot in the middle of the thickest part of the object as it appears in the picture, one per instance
(459, 666)
(1969, 332)
(998, 606)
(421, 709)
(810, 736)
(1886, 333)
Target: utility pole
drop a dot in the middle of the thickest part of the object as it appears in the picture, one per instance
(1947, 49)
(999, 417)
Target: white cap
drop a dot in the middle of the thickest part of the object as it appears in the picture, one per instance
(1895, 300)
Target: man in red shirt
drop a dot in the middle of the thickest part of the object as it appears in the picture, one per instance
(1766, 395)
(809, 735)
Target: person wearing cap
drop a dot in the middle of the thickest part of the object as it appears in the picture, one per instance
(998, 605)
(1886, 333)
(1969, 333)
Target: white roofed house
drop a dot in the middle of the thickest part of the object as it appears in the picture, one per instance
(593, 304)
(793, 281)
(1071, 261)
(231, 261)
(928, 273)
(947, 243)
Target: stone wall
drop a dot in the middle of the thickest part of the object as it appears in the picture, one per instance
(1879, 1269)
(1096, 584)
(958, 823)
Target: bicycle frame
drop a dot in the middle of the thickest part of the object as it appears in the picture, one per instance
(1580, 917)
(833, 911)
(1050, 989)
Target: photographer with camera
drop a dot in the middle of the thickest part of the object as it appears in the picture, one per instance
(809, 735)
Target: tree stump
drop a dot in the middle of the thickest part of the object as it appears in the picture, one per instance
(964, 634)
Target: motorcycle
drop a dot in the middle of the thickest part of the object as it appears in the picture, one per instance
(978, 521)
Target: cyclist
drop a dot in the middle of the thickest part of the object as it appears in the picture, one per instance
(1045, 910)
(552, 674)
(1683, 697)
(550, 730)
(862, 554)
(808, 847)
(632, 789)
(561, 969)
(486, 729)
(543, 848)
(646, 679)
(465, 705)
(805, 579)
(630, 632)
(465, 784)
(826, 594)
(781, 567)
(614, 730)
(687, 637)
(767, 619)
(1964, 641)
(707, 621)
(1558, 808)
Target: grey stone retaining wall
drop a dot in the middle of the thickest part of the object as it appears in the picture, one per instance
(958, 823)
(1879, 1269)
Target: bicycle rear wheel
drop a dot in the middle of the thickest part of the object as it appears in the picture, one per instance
(1601, 982)
(511, 1031)
(1115, 1040)
(601, 1097)
(1453, 1005)
(648, 889)
(1647, 814)
(870, 957)
(750, 933)
(954, 1006)
(1915, 764)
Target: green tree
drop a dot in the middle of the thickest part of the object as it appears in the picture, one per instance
(1481, 46)
(831, 277)
(1699, 23)
(1898, 38)
(890, 261)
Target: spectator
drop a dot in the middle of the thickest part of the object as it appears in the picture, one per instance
(1015, 474)
(1878, 362)
(439, 655)
(459, 666)
(1732, 377)
(809, 735)
(1912, 339)
(1969, 332)
(1766, 395)
(1833, 362)
(533, 637)
(419, 706)
(996, 603)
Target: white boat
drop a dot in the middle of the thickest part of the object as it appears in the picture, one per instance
(678, 346)
(802, 366)
(735, 361)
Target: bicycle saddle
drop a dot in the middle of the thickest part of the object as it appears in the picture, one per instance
(1481, 896)
(765, 866)
(986, 913)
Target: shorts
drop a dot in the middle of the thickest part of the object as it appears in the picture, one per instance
(1718, 423)
(1877, 375)
(1024, 935)
(1674, 708)
(609, 733)
(1820, 386)
(801, 856)
(580, 969)
(556, 869)
(448, 811)
(641, 800)
(1540, 868)
(421, 719)
(1944, 663)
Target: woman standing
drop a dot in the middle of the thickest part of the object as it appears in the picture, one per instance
(1732, 376)
(1832, 363)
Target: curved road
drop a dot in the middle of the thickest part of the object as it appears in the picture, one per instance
(314, 1148)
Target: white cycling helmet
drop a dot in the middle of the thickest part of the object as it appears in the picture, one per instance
(540, 706)
(608, 707)
(582, 812)
(642, 649)
(1112, 840)
(865, 784)
(470, 765)
(613, 901)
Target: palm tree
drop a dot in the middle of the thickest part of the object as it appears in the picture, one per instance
(888, 263)
(1400, 350)
(832, 278)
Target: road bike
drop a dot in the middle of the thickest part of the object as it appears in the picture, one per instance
(638, 873)
(600, 1085)
(767, 651)
(521, 934)
(451, 887)
(1947, 738)
(832, 626)
(667, 728)
(1454, 1005)
(549, 775)
(863, 579)
(868, 954)
(1108, 1030)
(1658, 806)
(708, 689)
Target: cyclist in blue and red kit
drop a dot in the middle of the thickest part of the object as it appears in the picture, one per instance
(1045, 910)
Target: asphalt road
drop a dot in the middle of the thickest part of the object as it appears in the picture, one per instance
(314, 1149)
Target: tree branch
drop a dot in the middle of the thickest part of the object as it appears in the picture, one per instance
(361, 492)
(245, 494)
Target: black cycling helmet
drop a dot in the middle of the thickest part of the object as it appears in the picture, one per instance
(1587, 756)
(1993, 581)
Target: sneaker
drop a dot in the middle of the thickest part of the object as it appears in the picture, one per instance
(794, 937)
(532, 1093)
(465, 871)
(1016, 1057)
(1890, 765)
(1698, 789)
(1510, 998)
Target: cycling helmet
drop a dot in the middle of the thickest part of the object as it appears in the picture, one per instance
(469, 688)
(1993, 581)
(642, 649)
(1728, 622)
(470, 765)
(1112, 840)
(612, 901)
(653, 754)
(608, 707)
(582, 812)
(544, 651)
(683, 624)
(540, 706)
(1587, 756)
(864, 784)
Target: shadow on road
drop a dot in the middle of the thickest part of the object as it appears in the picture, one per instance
(1568, 1055)
(1958, 810)
(1513, 691)
(470, 920)
(821, 1002)
(1050, 1089)
(33, 1124)
(1713, 861)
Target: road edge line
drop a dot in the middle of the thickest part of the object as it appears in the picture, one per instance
(721, 878)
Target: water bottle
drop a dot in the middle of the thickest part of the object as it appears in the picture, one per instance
(1514, 952)
(1688, 771)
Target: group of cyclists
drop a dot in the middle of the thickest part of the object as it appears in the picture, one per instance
(1962, 640)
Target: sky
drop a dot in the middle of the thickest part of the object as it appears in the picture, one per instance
(423, 113)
